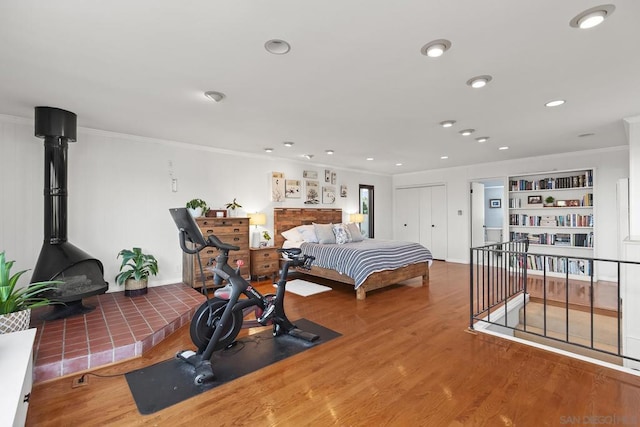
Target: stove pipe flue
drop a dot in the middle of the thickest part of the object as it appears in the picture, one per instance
(57, 127)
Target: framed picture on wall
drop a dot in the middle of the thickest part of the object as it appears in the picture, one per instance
(495, 203)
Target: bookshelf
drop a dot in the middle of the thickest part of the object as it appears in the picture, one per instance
(555, 228)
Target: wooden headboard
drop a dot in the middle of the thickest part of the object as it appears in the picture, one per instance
(286, 218)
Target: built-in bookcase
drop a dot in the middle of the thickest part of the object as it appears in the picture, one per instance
(563, 226)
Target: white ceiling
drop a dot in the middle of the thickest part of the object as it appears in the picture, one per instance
(355, 80)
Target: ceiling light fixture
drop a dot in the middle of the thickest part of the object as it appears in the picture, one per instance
(435, 48)
(482, 138)
(277, 47)
(288, 144)
(444, 157)
(503, 148)
(308, 156)
(398, 164)
(369, 158)
(555, 103)
(447, 123)
(467, 132)
(329, 152)
(479, 81)
(214, 96)
(268, 150)
(585, 135)
(592, 17)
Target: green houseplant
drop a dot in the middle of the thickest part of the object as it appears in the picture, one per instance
(549, 201)
(232, 206)
(16, 304)
(197, 207)
(266, 236)
(135, 269)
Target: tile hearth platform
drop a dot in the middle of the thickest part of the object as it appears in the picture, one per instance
(119, 328)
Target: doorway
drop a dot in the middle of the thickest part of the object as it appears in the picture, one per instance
(487, 207)
(366, 209)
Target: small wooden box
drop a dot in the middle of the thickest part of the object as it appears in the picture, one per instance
(216, 213)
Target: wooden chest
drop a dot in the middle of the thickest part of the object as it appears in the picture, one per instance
(234, 231)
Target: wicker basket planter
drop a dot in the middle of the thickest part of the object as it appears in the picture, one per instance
(16, 321)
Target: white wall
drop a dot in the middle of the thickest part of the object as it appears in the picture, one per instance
(120, 192)
(610, 165)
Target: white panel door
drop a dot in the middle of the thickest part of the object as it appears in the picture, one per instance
(439, 242)
(407, 226)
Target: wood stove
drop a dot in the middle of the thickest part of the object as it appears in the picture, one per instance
(81, 274)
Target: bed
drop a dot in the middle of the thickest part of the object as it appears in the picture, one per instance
(289, 218)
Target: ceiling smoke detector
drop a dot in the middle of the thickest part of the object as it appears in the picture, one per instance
(214, 96)
(277, 47)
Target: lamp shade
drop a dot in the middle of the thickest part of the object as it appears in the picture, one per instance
(257, 219)
(356, 217)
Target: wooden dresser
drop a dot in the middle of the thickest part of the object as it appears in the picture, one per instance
(234, 231)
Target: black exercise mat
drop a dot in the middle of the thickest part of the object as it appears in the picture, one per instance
(166, 383)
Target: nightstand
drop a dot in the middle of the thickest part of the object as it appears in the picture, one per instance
(264, 262)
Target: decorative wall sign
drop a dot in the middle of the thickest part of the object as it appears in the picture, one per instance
(310, 174)
(343, 191)
(327, 175)
(312, 196)
(277, 186)
(292, 189)
(334, 178)
(328, 195)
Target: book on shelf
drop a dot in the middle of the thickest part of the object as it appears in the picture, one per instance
(555, 264)
(553, 183)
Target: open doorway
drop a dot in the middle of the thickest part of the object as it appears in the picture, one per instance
(366, 209)
(488, 207)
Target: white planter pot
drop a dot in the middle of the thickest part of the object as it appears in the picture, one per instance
(13, 322)
(197, 212)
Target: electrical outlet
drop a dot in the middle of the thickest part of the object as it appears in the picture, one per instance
(80, 381)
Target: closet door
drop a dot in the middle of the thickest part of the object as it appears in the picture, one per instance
(426, 222)
(438, 215)
(407, 225)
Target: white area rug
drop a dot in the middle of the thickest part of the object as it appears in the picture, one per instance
(304, 288)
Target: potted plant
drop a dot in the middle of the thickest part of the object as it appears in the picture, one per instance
(266, 236)
(233, 206)
(197, 207)
(135, 270)
(549, 201)
(16, 304)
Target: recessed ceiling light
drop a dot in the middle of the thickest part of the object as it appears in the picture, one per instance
(444, 157)
(503, 148)
(277, 46)
(288, 144)
(592, 17)
(398, 164)
(447, 123)
(467, 132)
(268, 150)
(482, 138)
(329, 152)
(554, 103)
(308, 156)
(584, 135)
(214, 96)
(478, 81)
(369, 158)
(435, 48)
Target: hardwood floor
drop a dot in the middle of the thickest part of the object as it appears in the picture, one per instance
(404, 358)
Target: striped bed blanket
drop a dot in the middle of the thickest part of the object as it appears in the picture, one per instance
(359, 260)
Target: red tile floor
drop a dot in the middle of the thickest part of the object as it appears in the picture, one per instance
(119, 328)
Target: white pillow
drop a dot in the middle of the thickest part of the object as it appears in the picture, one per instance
(325, 233)
(308, 233)
(292, 235)
(354, 231)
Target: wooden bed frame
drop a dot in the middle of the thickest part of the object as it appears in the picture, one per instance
(288, 218)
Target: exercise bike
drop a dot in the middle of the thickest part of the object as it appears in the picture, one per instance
(217, 322)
